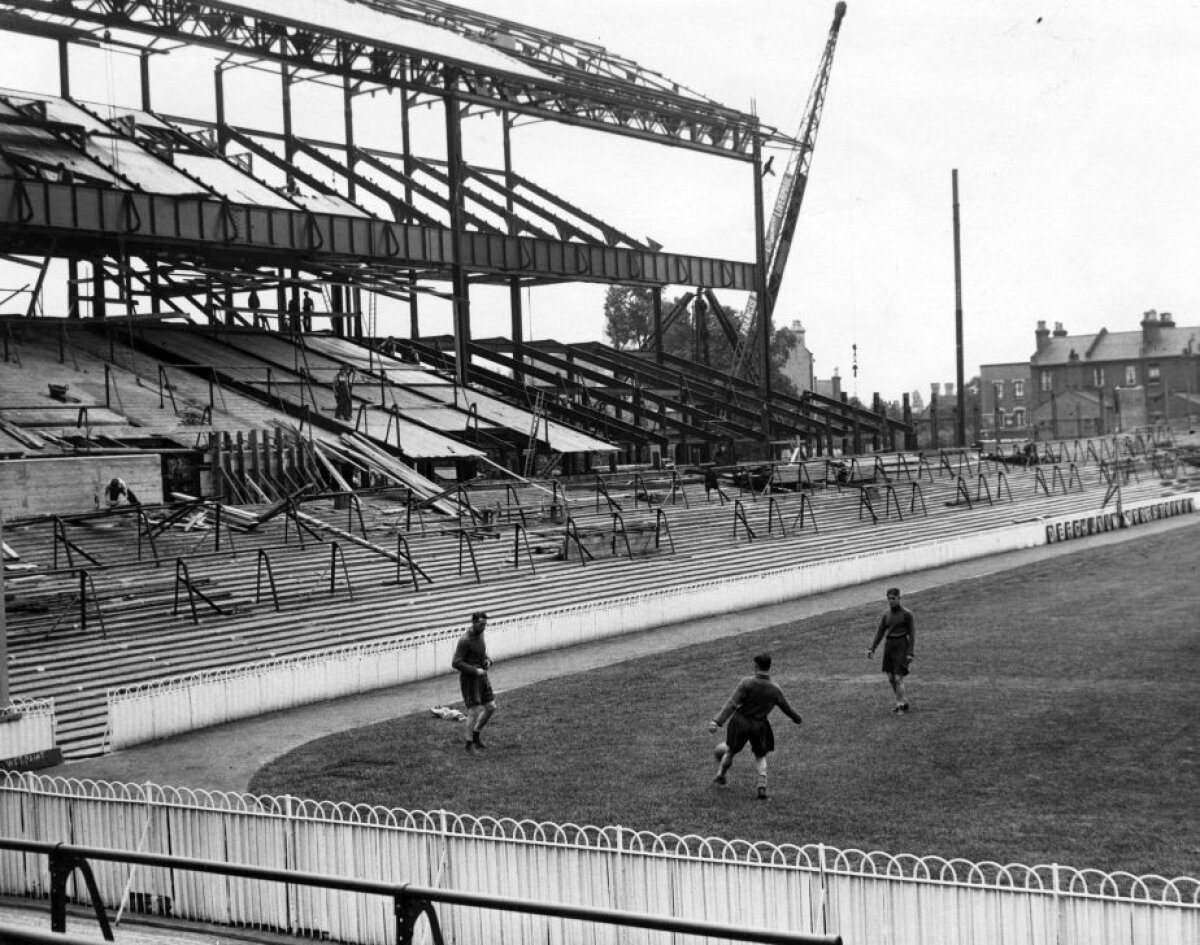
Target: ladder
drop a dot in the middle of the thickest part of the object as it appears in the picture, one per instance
(539, 418)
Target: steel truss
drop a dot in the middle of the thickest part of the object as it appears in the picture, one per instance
(573, 96)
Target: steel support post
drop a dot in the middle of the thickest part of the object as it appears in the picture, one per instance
(144, 75)
(219, 101)
(760, 276)
(658, 326)
(960, 426)
(516, 310)
(64, 68)
(458, 276)
(285, 100)
(348, 125)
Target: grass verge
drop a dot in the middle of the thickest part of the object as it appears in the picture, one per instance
(1054, 720)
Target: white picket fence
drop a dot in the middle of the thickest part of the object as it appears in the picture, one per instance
(159, 709)
(862, 896)
(29, 729)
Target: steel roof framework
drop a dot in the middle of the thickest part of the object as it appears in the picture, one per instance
(567, 94)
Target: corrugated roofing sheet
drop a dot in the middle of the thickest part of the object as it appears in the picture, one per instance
(41, 146)
(424, 385)
(231, 181)
(328, 203)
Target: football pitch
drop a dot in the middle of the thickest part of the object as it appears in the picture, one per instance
(1054, 721)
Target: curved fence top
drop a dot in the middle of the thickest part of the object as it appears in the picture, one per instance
(1048, 878)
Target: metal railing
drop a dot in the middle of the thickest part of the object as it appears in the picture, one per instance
(409, 902)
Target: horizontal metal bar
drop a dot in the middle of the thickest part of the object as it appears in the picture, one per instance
(407, 891)
(139, 222)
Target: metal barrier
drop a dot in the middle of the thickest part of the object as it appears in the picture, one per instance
(409, 902)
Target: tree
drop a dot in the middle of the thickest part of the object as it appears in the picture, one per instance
(629, 323)
(628, 315)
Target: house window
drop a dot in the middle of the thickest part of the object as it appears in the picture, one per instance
(998, 391)
(1019, 417)
(1130, 375)
(1018, 388)
(1001, 419)
(1152, 372)
(1098, 377)
(1047, 380)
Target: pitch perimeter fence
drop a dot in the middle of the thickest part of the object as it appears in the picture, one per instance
(811, 889)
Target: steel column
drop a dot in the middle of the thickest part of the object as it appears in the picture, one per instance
(458, 276)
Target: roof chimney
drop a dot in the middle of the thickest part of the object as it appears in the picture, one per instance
(1041, 336)
(1150, 327)
(1059, 331)
(1166, 320)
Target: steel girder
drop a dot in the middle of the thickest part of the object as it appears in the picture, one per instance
(624, 108)
(36, 216)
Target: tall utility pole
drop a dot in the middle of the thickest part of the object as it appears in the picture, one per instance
(3, 626)
(960, 421)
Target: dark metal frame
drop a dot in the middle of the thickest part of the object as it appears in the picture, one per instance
(409, 902)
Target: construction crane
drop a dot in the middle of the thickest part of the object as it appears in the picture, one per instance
(782, 226)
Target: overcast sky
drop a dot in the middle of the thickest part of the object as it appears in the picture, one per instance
(1073, 127)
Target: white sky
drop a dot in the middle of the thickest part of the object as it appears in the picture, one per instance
(1073, 127)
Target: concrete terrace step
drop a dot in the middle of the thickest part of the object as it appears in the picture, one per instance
(145, 642)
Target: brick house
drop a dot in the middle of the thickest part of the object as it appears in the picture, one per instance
(1085, 385)
(1005, 398)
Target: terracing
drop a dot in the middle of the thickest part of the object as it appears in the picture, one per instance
(125, 598)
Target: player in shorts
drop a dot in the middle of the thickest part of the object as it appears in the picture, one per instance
(472, 663)
(746, 711)
(898, 631)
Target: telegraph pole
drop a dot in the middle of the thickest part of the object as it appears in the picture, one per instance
(3, 626)
(960, 423)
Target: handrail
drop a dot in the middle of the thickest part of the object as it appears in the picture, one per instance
(981, 485)
(336, 554)
(864, 499)
(404, 554)
(263, 559)
(739, 515)
(60, 537)
(1002, 480)
(805, 503)
(465, 534)
(660, 522)
(410, 901)
(962, 490)
(144, 528)
(602, 490)
(354, 506)
(521, 534)
(85, 581)
(618, 523)
(918, 494)
(571, 532)
(774, 513)
(192, 592)
(677, 489)
(889, 499)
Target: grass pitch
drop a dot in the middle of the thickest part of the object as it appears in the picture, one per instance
(1054, 720)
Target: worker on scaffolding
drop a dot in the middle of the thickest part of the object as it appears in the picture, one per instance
(343, 392)
(116, 491)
